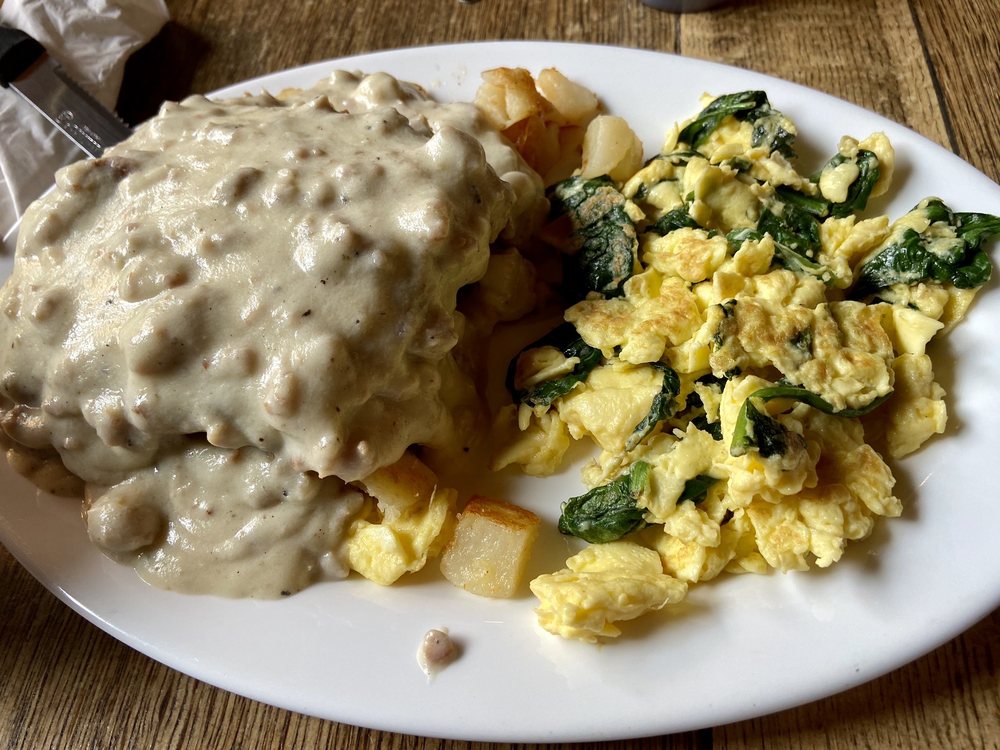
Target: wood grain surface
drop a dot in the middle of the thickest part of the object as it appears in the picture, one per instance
(931, 65)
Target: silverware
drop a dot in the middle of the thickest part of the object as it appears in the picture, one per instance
(28, 70)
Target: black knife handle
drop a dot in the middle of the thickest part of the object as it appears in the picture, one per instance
(17, 52)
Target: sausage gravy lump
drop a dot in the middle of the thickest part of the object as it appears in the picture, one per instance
(248, 304)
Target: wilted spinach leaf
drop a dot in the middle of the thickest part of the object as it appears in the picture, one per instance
(948, 251)
(601, 244)
(608, 512)
(770, 128)
(661, 407)
(756, 429)
(564, 338)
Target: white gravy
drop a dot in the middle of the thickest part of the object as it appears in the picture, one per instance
(247, 305)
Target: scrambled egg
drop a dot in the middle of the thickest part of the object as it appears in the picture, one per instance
(742, 385)
(602, 585)
(838, 350)
(383, 549)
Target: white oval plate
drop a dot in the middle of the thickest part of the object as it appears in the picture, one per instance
(739, 647)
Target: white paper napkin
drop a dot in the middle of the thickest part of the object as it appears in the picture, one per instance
(92, 39)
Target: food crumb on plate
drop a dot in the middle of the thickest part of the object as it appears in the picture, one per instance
(437, 651)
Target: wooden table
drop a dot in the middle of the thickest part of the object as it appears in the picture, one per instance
(933, 65)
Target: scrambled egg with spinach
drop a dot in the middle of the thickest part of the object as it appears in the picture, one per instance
(744, 348)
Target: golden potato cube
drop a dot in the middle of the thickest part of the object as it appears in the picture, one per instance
(610, 147)
(407, 483)
(489, 551)
(508, 95)
(577, 104)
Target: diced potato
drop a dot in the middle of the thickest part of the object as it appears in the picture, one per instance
(537, 140)
(508, 95)
(610, 148)
(402, 485)
(577, 104)
(545, 118)
(489, 550)
(570, 154)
